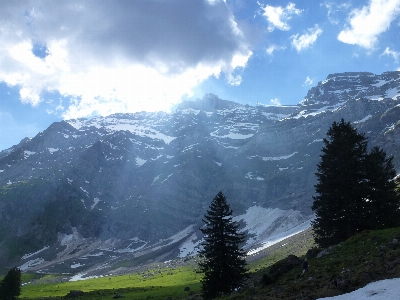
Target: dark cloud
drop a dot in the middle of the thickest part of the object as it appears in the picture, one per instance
(104, 53)
(174, 34)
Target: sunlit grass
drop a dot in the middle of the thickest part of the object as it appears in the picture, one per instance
(154, 283)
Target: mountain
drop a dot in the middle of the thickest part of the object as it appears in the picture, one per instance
(91, 195)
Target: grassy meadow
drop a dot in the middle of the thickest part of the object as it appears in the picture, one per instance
(364, 258)
(156, 282)
(159, 283)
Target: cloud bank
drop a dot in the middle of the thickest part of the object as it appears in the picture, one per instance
(367, 23)
(123, 56)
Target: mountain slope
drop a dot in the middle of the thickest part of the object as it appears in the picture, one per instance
(139, 184)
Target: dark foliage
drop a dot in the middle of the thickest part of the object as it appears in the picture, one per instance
(10, 286)
(355, 190)
(382, 207)
(223, 262)
(281, 267)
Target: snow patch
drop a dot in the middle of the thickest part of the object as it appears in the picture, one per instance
(66, 238)
(190, 111)
(379, 83)
(156, 178)
(315, 141)
(279, 157)
(32, 254)
(79, 277)
(392, 93)
(74, 266)
(275, 117)
(363, 120)
(250, 176)
(140, 161)
(189, 247)
(31, 263)
(96, 200)
(52, 150)
(28, 153)
(388, 289)
(271, 225)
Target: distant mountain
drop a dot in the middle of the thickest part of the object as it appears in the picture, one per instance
(115, 191)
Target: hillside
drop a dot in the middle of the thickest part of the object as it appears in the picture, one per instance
(367, 257)
(91, 195)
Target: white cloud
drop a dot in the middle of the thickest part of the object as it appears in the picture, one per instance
(123, 56)
(275, 102)
(394, 54)
(367, 23)
(270, 50)
(308, 81)
(334, 9)
(278, 16)
(306, 40)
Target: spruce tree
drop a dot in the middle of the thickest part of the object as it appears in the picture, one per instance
(10, 286)
(339, 194)
(381, 198)
(355, 189)
(222, 261)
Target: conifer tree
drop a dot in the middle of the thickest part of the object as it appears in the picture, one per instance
(10, 286)
(223, 262)
(339, 192)
(382, 199)
(355, 189)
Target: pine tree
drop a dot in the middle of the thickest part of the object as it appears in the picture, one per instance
(223, 262)
(355, 189)
(10, 286)
(382, 199)
(339, 192)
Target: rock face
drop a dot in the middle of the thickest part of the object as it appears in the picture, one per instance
(128, 181)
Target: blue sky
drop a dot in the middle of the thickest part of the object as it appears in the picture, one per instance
(72, 59)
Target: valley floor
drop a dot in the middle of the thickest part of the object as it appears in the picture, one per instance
(367, 266)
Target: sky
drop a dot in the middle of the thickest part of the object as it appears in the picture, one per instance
(62, 60)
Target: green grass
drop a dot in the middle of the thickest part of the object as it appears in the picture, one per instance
(360, 260)
(152, 284)
(296, 245)
(157, 283)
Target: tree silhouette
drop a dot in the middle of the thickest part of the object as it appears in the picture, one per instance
(382, 199)
(223, 262)
(355, 191)
(10, 286)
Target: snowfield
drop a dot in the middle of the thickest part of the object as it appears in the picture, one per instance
(388, 289)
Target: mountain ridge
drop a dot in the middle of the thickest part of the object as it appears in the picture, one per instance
(148, 176)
